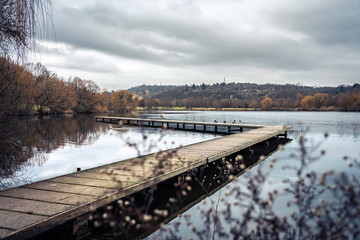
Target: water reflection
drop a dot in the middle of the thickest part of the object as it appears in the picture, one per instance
(56, 145)
(147, 201)
(26, 141)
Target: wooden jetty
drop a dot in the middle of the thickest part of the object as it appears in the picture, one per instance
(28, 210)
(179, 125)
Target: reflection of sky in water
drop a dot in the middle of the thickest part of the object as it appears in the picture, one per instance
(110, 147)
(343, 129)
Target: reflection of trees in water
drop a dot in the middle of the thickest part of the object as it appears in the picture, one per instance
(23, 142)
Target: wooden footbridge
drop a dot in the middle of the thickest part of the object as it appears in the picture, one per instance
(30, 209)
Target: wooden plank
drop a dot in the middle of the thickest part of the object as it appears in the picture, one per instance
(69, 188)
(139, 171)
(4, 232)
(31, 206)
(88, 182)
(103, 176)
(45, 196)
(16, 220)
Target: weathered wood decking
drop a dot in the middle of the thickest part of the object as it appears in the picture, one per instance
(30, 209)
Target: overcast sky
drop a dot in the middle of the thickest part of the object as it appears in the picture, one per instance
(124, 43)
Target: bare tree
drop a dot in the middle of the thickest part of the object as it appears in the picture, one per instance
(19, 20)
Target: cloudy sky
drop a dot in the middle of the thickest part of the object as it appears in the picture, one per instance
(124, 43)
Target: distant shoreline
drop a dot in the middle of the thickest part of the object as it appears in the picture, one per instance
(323, 109)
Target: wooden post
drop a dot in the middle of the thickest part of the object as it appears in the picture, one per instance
(81, 226)
(251, 150)
(229, 129)
(215, 129)
(181, 180)
(241, 129)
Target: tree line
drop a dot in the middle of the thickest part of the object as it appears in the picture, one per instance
(33, 89)
(250, 95)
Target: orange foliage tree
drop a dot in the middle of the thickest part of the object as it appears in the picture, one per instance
(16, 88)
(299, 98)
(308, 103)
(349, 101)
(266, 103)
(124, 101)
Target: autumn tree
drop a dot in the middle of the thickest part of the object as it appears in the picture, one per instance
(281, 102)
(308, 103)
(25, 89)
(321, 100)
(224, 103)
(124, 101)
(65, 97)
(15, 88)
(266, 103)
(87, 93)
(349, 101)
(50, 93)
(104, 101)
(299, 98)
(254, 103)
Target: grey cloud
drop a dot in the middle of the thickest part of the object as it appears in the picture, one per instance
(183, 37)
(327, 22)
(79, 62)
(174, 41)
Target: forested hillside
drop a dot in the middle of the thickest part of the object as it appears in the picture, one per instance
(150, 90)
(265, 96)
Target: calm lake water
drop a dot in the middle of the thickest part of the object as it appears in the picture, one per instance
(52, 146)
(40, 148)
(344, 140)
